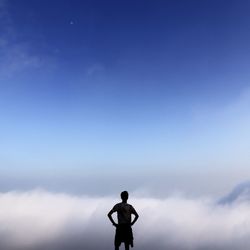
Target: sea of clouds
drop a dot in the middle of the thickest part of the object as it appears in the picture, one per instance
(40, 219)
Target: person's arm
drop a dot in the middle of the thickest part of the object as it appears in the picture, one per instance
(110, 216)
(136, 216)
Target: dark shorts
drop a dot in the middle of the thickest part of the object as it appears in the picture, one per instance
(124, 234)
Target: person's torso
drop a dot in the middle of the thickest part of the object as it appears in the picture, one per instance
(124, 211)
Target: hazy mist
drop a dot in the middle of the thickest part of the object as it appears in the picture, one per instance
(43, 220)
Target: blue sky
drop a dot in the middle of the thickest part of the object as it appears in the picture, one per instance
(113, 88)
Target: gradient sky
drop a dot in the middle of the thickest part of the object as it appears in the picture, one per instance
(123, 93)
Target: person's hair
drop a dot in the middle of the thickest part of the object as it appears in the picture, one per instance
(124, 195)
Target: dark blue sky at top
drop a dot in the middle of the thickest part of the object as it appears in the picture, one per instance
(172, 44)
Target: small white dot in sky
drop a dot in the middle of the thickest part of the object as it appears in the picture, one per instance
(71, 22)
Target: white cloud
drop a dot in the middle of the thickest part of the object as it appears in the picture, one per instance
(94, 69)
(15, 54)
(2, 5)
(17, 58)
(219, 136)
(44, 220)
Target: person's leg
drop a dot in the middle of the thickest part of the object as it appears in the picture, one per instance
(117, 239)
(117, 245)
(126, 246)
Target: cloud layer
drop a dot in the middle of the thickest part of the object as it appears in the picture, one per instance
(43, 220)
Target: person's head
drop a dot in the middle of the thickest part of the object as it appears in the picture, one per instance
(124, 196)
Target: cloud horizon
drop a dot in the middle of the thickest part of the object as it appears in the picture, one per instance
(39, 219)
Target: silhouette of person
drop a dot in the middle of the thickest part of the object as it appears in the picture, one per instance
(124, 231)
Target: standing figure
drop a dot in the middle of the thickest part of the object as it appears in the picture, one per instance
(124, 231)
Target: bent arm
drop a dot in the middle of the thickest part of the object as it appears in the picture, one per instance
(135, 218)
(111, 218)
